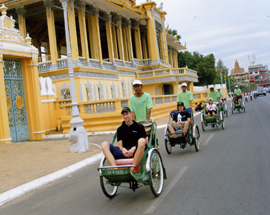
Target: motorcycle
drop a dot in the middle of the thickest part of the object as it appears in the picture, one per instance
(246, 98)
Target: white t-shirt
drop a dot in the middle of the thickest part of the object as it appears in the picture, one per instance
(211, 107)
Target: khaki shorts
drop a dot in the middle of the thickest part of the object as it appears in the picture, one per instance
(176, 126)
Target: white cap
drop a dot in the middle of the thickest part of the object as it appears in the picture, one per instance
(210, 99)
(137, 82)
(236, 85)
(184, 84)
(211, 86)
(218, 88)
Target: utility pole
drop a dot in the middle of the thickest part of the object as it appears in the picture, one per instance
(78, 139)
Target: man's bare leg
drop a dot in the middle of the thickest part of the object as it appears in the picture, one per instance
(185, 129)
(139, 153)
(105, 146)
(170, 128)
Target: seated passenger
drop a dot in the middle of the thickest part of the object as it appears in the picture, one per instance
(198, 107)
(236, 100)
(131, 141)
(180, 120)
(211, 109)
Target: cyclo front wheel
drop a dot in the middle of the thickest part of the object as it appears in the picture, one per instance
(196, 140)
(156, 173)
(108, 190)
(168, 145)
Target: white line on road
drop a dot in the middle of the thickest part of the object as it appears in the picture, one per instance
(208, 139)
(165, 193)
(266, 101)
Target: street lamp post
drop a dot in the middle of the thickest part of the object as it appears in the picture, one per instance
(225, 82)
(220, 78)
(229, 79)
(77, 135)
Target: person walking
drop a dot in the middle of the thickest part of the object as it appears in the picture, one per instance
(140, 103)
(185, 96)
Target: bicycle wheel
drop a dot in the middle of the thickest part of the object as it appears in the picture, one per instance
(156, 173)
(108, 190)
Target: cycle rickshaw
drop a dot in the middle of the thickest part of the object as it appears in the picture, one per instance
(224, 108)
(238, 107)
(212, 120)
(151, 170)
(191, 138)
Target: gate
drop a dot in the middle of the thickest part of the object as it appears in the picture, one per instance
(15, 100)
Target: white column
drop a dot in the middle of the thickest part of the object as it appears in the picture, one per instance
(78, 135)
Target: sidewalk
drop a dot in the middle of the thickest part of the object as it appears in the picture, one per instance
(26, 166)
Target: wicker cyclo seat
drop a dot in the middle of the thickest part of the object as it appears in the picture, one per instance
(147, 126)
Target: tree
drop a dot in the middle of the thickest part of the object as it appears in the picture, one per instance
(174, 33)
(221, 69)
(204, 65)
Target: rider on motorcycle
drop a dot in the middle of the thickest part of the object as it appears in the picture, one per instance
(250, 95)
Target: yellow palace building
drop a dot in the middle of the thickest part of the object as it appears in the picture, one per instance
(113, 42)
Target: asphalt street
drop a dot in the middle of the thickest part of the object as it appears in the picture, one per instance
(229, 175)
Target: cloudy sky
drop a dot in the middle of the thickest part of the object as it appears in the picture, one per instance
(230, 29)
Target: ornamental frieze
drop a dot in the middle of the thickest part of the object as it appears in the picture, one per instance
(10, 38)
(128, 3)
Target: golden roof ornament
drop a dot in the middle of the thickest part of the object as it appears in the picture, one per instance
(3, 9)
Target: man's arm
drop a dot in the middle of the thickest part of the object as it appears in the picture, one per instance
(190, 103)
(148, 114)
(178, 97)
(133, 116)
(124, 150)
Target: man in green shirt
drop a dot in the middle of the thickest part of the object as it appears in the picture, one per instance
(237, 91)
(213, 93)
(185, 96)
(219, 93)
(140, 103)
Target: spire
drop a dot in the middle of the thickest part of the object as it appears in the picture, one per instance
(236, 65)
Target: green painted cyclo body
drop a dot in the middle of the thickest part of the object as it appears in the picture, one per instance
(238, 107)
(151, 170)
(179, 137)
(212, 120)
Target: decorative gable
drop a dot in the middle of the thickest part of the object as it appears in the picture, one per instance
(11, 41)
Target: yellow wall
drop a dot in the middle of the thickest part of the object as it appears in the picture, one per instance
(48, 113)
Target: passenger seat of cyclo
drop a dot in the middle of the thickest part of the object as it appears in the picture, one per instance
(129, 161)
(172, 113)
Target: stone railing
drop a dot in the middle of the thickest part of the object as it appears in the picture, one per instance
(101, 107)
(166, 72)
(62, 63)
(186, 71)
(105, 115)
(44, 66)
(104, 106)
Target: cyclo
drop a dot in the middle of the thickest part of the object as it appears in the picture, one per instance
(224, 107)
(237, 106)
(212, 120)
(151, 170)
(179, 137)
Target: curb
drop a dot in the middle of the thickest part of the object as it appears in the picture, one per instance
(37, 183)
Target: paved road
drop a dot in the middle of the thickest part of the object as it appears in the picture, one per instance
(229, 175)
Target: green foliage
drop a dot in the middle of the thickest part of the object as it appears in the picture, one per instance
(221, 69)
(174, 33)
(204, 65)
(253, 86)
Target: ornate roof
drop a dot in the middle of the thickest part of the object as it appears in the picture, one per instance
(11, 40)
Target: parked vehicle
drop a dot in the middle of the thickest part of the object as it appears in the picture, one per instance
(259, 92)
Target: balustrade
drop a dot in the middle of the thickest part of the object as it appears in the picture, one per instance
(62, 63)
(44, 66)
(102, 107)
